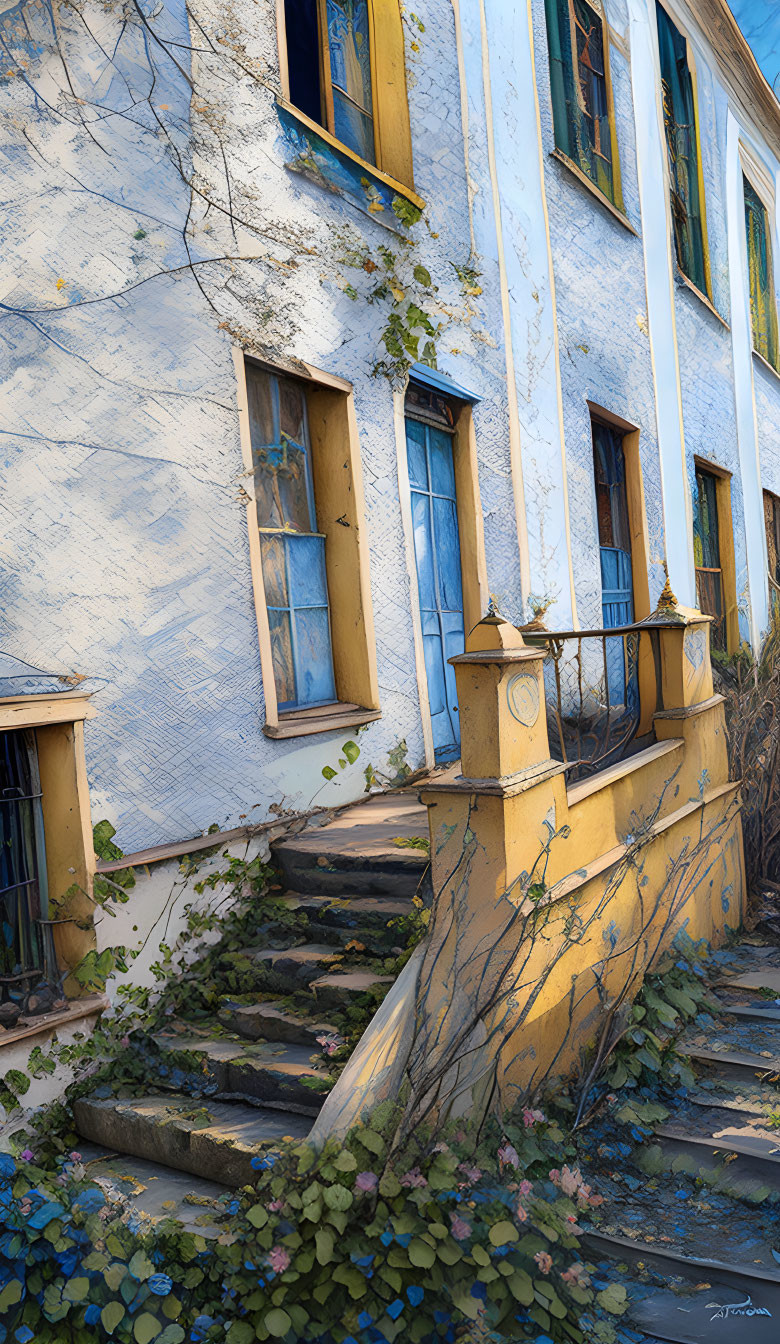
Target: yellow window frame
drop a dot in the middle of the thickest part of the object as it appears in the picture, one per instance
(390, 105)
(772, 335)
(615, 197)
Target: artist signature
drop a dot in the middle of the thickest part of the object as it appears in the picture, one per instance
(745, 1308)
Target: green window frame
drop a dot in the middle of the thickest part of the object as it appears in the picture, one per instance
(683, 146)
(581, 88)
(763, 299)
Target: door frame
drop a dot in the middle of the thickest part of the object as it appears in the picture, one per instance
(471, 529)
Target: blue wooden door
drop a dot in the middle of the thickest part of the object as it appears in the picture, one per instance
(437, 555)
(617, 591)
(291, 548)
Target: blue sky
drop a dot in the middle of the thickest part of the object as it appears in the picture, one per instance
(760, 22)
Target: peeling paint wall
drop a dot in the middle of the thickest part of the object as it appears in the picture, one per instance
(139, 244)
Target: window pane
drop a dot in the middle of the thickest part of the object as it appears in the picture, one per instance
(274, 570)
(306, 567)
(709, 594)
(282, 470)
(292, 411)
(313, 660)
(415, 444)
(281, 648)
(593, 122)
(706, 541)
(763, 303)
(442, 465)
(352, 127)
(260, 401)
(350, 50)
(609, 469)
(445, 523)
(421, 523)
(682, 150)
(303, 56)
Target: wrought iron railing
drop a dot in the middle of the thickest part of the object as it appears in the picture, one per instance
(601, 688)
(26, 946)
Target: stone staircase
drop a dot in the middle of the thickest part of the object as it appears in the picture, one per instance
(222, 1090)
(691, 1220)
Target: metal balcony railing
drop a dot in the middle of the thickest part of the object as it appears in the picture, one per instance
(601, 690)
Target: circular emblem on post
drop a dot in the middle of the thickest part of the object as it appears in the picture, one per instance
(522, 695)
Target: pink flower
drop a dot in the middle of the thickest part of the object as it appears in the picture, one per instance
(577, 1275)
(544, 1261)
(460, 1229)
(413, 1179)
(533, 1118)
(472, 1174)
(366, 1180)
(571, 1180)
(275, 1206)
(125, 1041)
(555, 1176)
(27, 1154)
(507, 1155)
(525, 1188)
(521, 1214)
(331, 1042)
(75, 1157)
(278, 1259)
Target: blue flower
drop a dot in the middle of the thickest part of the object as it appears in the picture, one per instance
(404, 1238)
(89, 1201)
(24, 1334)
(479, 1290)
(263, 1163)
(386, 1238)
(364, 1320)
(415, 1294)
(161, 1284)
(395, 1309)
(7, 1166)
(92, 1314)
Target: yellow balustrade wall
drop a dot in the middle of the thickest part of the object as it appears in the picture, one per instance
(551, 903)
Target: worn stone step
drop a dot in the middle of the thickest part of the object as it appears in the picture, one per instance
(763, 982)
(155, 1192)
(294, 968)
(395, 875)
(755, 1278)
(734, 1064)
(274, 1073)
(740, 1160)
(363, 918)
(341, 988)
(272, 1022)
(215, 1140)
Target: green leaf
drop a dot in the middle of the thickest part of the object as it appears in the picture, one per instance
(521, 1287)
(421, 1254)
(11, 1294)
(324, 1241)
(346, 1161)
(257, 1215)
(146, 1328)
(351, 750)
(76, 1290)
(370, 1140)
(277, 1322)
(172, 1334)
(141, 1266)
(389, 1185)
(501, 1233)
(241, 1332)
(328, 772)
(337, 1197)
(422, 276)
(111, 1315)
(613, 1299)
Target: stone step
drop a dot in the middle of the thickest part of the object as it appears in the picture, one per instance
(336, 989)
(155, 1192)
(277, 1074)
(735, 1065)
(396, 874)
(291, 969)
(215, 1140)
(367, 919)
(272, 1022)
(740, 1160)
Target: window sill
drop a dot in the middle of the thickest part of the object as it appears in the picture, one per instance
(339, 168)
(593, 189)
(79, 1009)
(685, 283)
(323, 719)
(765, 364)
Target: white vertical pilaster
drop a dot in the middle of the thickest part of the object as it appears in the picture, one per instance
(744, 394)
(659, 280)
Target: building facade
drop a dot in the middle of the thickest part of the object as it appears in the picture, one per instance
(324, 324)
